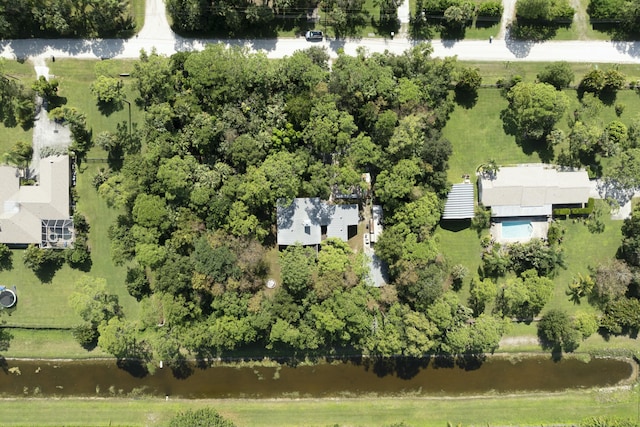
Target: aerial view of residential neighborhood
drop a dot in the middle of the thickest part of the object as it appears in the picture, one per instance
(347, 213)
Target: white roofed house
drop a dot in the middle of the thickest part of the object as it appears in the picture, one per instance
(37, 214)
(532, 190)
(308, 221)
(522, 198)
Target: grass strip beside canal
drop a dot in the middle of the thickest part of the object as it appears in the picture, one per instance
(538, 409)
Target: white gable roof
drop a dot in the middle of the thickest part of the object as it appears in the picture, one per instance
(22, 208)
(533, 188)
(302, 221)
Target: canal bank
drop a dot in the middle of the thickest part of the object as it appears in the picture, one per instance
(350, 378)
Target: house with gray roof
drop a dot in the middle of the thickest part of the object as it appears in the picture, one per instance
(37, 214)
(531, 190)
(308, 221)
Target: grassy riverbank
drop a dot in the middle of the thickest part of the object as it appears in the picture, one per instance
(560, 408)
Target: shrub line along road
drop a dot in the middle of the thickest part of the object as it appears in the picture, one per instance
(157, 33)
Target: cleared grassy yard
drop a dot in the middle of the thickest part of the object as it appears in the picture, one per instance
(555, 409)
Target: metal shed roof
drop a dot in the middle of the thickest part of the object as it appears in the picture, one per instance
(460, 202)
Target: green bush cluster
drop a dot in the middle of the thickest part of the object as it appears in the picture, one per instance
(491, 8)
(587, 210)
(561, 212)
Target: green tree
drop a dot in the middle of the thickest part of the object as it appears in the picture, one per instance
(6, 257)
(622, 174)
(534, 109)
(107, 90)
(557, 332)
(151, 211)
(558, 75)
(469, 80)
(421, 216)
(119, 338)
(525, 296)
(481, 293)
(395, 186)
(630, 248)
(92, 302)
(45, 88)
(206, 417)
(611, 281)
(297, 265)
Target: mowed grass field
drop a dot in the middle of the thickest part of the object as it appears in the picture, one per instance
(535, 409)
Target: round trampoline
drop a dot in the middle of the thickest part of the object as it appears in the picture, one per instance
(7, 298)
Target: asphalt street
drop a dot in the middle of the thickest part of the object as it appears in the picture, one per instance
(157, 34)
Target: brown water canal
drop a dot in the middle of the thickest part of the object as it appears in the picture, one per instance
(352, 378)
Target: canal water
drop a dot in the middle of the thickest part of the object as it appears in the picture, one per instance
(339, 379)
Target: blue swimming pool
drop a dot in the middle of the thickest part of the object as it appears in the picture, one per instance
(516, 229)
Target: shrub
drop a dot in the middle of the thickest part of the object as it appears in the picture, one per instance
(86, 334)
(558, 75)
(605, 9)
(585, 323)
(555, 233)
(565, 212)
(482, 219)
(491, 8)
(206, 417)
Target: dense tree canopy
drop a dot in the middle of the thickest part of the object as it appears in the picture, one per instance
(228, 135)
(534, 109)
(63, 18)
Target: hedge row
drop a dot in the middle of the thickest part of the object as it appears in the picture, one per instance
(587, 210)
(491, 9)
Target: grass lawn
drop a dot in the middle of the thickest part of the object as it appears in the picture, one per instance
(477, 136)
(48, 344)
(75, 76)
(46, 304)
(545, 409)
(137, 12)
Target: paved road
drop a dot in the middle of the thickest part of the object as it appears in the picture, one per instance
(156, 33)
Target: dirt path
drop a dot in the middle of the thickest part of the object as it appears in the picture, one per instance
(524, 340)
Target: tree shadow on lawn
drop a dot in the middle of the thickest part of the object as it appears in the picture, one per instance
(48, 270)
(466, 99)
(455, 225)
(108, 108)
(528, 145)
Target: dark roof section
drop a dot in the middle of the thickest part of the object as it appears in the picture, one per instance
(460, 202)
